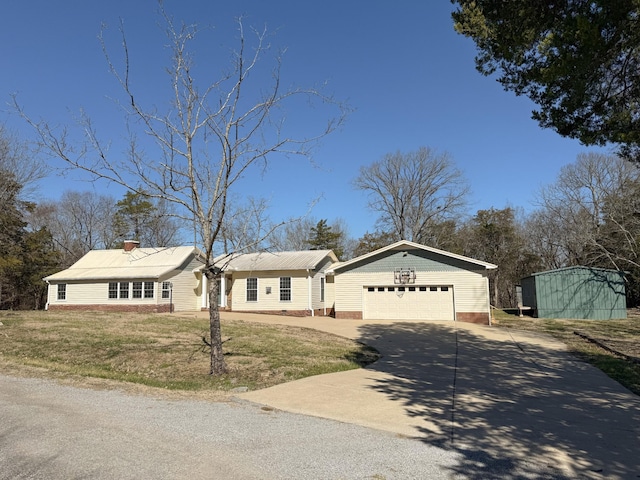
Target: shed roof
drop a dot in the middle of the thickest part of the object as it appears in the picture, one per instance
(263, 261)
(140, 263)
(405, 244)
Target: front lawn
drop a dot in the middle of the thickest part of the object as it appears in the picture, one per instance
(166, 351)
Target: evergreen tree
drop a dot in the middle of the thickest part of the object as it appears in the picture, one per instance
(323, 238)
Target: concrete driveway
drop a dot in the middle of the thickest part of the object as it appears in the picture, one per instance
(497, 397)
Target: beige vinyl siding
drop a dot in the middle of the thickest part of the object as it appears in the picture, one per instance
(329, 292)
(315, 292)
(316, 284)
(97, 293)
(187, 287)
(470, 288)
(299, 291)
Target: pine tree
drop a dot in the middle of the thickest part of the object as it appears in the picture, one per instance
(322, 238)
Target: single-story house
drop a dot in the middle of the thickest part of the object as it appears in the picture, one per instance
(576, 292)
(129, 279)
(409, 281)
(403, 281)
(287, 283)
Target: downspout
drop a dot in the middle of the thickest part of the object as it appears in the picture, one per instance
(46, 305)
(488, 298)
(324, 297)
(309, 281)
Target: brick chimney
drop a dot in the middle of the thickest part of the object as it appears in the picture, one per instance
(130, 245)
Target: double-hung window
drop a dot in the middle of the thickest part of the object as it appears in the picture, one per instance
(252, 289)
(136, 290)
(62, 291)
(285, 289)
(118, 290)
(166, 289)
(148, 289)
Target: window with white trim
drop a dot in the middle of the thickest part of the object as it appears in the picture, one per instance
(136, 290)
(148, 289)
(252, 289)
(62, 291)
(322, 289)
(118, 290)
(166, 289)
(285, 289)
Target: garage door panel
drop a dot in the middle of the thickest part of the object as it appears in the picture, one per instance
(409, 302)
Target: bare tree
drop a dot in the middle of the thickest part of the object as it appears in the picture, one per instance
(246, 227)
(296, 233)
(593, 210)
(414, 192)
(210, 136)
(78, 222)
(16, 159)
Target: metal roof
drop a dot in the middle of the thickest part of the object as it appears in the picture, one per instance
(262, 261)
(140, 263)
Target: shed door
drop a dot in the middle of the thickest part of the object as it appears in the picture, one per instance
(409, 302)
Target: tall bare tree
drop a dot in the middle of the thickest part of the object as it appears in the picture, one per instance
(78, 222)
(414, 193)
(16, 159)
(593, 207)
(212, 133)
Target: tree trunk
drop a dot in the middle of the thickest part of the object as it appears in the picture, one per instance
(218, 364)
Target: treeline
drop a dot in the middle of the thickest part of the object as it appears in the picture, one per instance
(589, 216)
(38, 239)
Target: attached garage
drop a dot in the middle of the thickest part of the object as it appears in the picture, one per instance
(409, 281)
(419, 302)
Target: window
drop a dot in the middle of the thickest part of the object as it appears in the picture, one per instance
(62, 291)
(371, 289)
(118, 290)
(444, 289)
(322, 289)
(136, 290)
(148, 289)
(412, 289)
(381, 289)
(423, 289)
(401, 289)
(285, 289)
(433, 289)
(166, 289)
(252, 289)
(391, 289)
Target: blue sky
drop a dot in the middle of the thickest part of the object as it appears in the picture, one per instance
(408, 76)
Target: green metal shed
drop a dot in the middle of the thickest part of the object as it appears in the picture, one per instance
(576, 292)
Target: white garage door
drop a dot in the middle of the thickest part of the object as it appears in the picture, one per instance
(409, 302)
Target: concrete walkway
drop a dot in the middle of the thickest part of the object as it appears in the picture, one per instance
(495, 396)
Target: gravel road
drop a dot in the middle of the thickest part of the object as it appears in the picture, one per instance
(53, 431)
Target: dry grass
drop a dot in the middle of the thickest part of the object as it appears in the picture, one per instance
(620, 335)
(166, 351)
